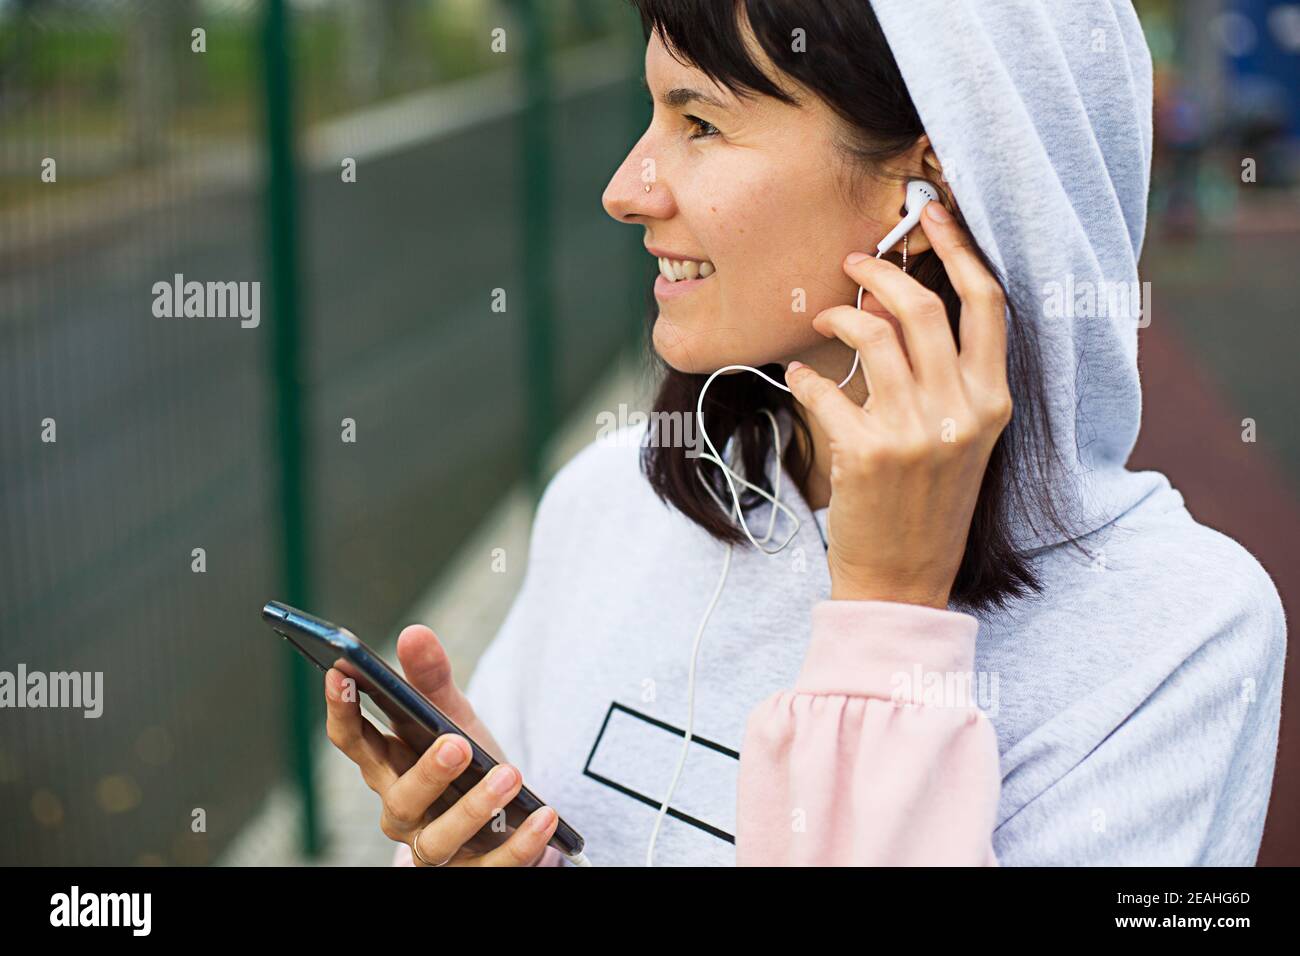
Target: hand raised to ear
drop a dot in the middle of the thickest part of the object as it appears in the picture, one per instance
(906, 467)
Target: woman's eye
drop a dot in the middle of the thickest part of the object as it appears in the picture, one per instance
(703, 128)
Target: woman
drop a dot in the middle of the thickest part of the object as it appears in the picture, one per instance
(967, 634)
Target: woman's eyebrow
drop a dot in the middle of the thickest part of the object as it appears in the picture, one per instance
(683, 95)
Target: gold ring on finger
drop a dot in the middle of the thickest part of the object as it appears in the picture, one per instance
(415, 848)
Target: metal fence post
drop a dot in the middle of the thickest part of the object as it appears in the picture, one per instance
(289, 389)
(537, 240)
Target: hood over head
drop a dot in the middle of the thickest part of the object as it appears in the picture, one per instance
(1040, 112)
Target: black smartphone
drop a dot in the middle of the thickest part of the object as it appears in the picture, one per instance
(408, 713)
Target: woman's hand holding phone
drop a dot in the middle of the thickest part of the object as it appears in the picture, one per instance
(420, 809)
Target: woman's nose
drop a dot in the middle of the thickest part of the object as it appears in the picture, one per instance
(627, 197)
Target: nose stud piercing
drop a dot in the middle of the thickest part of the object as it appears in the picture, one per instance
(648, 187)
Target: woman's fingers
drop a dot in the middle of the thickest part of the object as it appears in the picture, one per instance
(920, 313)
(983, 329)
(453, 828)
(380, 758)
(876, 341)
(408, 800)
(428, 669)
(527, 843)
(832, 408)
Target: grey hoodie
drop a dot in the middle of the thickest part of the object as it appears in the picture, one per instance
(1135, 700)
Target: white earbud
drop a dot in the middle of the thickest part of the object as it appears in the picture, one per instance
(919, 194)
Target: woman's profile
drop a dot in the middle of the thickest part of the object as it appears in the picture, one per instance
(946, 625)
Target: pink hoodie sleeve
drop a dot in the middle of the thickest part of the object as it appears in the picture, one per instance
(550, 857)
(878, 756)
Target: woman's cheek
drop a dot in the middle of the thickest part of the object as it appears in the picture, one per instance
(771, 311)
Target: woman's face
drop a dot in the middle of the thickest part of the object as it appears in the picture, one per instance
(751, 195)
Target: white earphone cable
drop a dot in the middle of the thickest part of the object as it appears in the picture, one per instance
(731, 477)
(735, 511)
(690, 708)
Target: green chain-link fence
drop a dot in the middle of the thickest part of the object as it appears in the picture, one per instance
(152, 466)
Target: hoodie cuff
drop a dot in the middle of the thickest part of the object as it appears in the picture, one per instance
(887, 650)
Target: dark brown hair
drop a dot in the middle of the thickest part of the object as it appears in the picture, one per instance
(848, 64)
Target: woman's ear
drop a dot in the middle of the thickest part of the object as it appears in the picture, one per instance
(930, 162)
(934, 173)
(929, 168)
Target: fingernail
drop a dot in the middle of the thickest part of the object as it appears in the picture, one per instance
(936, 212)
(501, 779)
(542, 819)
(856, 257)
(793, 367)
(449, 753)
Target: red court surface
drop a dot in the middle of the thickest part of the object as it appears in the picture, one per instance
(1191, 431)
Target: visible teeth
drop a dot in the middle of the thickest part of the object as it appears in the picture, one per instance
(681, 270)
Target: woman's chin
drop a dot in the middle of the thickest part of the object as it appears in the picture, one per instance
(691, 352)
(699, 353)
(688, 364)
(695, 361)
(670, 344)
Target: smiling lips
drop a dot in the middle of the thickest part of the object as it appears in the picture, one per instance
(683, 270)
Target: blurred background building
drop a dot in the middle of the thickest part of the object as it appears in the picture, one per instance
(416, 185)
